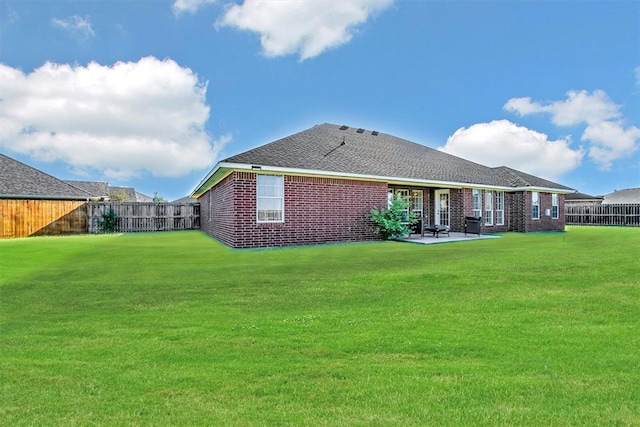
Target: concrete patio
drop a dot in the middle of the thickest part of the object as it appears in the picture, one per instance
(428, 239)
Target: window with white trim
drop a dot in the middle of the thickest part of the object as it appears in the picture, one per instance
(499, 207)
(535, 205)
(488, 208)
(270, 198)
(476, 203)
(555, 206)
(417, 201)
(404, 195)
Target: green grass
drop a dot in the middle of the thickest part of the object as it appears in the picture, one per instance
(177, 329)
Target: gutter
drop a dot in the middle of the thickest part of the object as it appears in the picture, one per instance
(390, 179)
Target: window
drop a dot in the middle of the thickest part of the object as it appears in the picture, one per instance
(404, 195)
(270, 198)
(488, 207)
(535, 205)
(499, 207)
(476, 203)
(417, 201)
(555, 210)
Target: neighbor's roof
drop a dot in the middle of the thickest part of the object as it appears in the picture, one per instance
(95, 188)
(347, 151)
(581, 197)
(18, 180)
(103, 189)
(626, 196)
(185, 199)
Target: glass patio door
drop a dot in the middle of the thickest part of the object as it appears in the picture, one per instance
(442, 207)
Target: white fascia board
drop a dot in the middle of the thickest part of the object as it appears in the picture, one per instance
(545, 190)
(390, 179)
(204, 180)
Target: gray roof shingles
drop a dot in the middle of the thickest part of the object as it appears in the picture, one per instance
(331, 148)
(20, 180)
(95, 188)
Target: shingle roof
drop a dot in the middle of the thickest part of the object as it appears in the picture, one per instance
(103, 189)
(626, 196)
(342, 149)
(581, 196)
(20, 180)
(185, 199)
(515, 178)
(95, 188)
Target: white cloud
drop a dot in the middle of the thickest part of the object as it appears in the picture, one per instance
(191, 6)
(76, 25)
(304, 27)
(12, 16)
(610, 141)
(579, 107)
(502, 143)
(605, 132)
(123, 120)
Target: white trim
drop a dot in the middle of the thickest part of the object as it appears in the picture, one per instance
(499, 218)
(389, 179)
(278, 198)
(476, 208)
(488, 208)
(437, 211)
(555, 203)
(535, 202)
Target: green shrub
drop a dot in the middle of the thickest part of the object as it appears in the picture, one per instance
(395, 221)
(109, 221)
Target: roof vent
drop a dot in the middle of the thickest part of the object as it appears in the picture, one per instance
(343, 127)
(375, 133)
(360, 130)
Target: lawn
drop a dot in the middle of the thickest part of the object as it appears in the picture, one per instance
(177, 329)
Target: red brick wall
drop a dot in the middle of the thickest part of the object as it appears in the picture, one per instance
(544, 223)
(316, 210)
(518, 213)
(216, 211)
(324, 210)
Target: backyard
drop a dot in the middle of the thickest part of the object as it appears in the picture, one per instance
(174, 328)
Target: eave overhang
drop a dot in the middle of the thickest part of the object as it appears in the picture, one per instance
(222, 169)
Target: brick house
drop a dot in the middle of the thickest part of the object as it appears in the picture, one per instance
(319, 185)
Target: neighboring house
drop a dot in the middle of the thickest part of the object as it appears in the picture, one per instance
(186, 199)
(582, 199)
(629, 196)
(104, 191)
(319, 186)
(34, 203)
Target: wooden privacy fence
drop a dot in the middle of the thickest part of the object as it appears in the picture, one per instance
(603, 215)
(29, 217)
(137, 216)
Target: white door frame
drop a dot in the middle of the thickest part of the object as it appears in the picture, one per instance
(439, 209)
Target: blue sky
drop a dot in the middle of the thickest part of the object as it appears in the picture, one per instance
(152, 93)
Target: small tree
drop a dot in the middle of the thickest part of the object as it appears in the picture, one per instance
(158, 199)
(395, 221)
(109, 221)
(119, 196)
